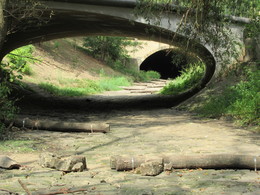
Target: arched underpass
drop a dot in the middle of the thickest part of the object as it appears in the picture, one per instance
(168, 62)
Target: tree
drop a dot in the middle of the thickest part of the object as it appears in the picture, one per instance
(108, 48)
(18, 16)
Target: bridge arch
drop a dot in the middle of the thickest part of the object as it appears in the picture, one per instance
(86, 18)
(77, 18)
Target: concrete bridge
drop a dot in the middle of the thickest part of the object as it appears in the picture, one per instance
(108, 17)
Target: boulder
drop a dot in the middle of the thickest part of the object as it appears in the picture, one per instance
(8, 163)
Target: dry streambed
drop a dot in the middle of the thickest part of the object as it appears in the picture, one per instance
(133, 133)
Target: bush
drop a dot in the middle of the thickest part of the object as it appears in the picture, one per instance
(153, 74)
(27, 70)
(108, 48)
(240, 101)
(189, 78)
(19, 62)
(7, 108)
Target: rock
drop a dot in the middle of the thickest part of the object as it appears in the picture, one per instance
(70, 164)
(49, 160)
(151, 168)
(168, 166)
(8, 163)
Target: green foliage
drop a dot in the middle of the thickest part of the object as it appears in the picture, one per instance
(108, 48)
(112, 50)
(135, 75)
(153, 75)
(7, 108)
(241, 101)
(76, 87)
(19, 62)
(113, 84)
(189, 78)
(27, 70)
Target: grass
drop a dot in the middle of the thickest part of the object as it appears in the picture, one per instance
(80, 87)
(17, 146)
(135, 75)
(190, 77)
(240, 101)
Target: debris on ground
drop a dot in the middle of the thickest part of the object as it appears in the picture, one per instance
(69, 164)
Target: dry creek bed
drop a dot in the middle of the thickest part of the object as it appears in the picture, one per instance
(151, 132)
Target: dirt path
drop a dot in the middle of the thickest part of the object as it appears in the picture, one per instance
(153, 132)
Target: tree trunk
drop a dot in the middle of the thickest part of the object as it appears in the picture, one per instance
(125, 163)
(62, 126)
(220, 161)
(3, 28)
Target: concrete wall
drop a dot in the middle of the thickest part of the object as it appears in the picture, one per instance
(144, 50)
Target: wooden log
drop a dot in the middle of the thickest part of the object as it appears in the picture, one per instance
(62, 126)
(134, 88)
(126, 163)
(152, 90)
(220, 161)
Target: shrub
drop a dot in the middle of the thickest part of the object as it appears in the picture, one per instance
(7, 108)
(27, 70)
(190, 77)
(108, 48)
(240, 101)
(153, 74)
(19, 62)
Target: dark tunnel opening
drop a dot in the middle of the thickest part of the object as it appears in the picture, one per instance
(168, 63)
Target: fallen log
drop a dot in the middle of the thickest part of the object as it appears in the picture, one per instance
(134, 88)
(126, 163)
(219, 161)
(153, 90)
(62, 126)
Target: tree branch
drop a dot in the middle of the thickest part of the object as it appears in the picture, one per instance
(25, 57)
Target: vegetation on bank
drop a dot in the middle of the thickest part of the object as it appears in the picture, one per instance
(112, 51)
(190, 77)
(80, 87)
(240, 101)
(7, 108)
(16, 65)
